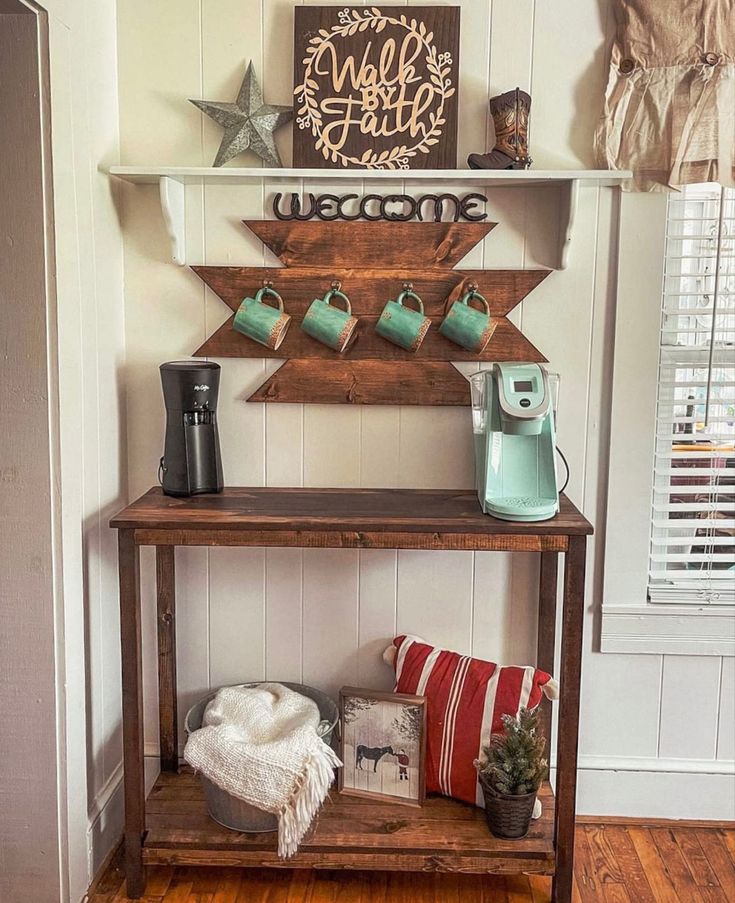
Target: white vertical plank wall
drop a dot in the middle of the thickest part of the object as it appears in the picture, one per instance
(323, 616)
(92, 469)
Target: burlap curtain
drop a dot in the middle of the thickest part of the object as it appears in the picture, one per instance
(669, 111)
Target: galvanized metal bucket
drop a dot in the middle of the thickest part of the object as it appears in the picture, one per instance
(228, 810)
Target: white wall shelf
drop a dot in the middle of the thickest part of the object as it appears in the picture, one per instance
(172, 181)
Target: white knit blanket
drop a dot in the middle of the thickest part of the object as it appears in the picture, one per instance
(260, 744)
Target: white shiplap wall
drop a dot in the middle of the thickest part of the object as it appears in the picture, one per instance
(323, 616)
(90, 481)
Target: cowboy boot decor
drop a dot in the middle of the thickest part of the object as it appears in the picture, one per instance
(510, 113)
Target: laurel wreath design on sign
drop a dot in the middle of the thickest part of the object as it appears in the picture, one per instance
(309, 115)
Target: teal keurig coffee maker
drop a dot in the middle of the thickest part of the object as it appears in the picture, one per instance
(513, 419)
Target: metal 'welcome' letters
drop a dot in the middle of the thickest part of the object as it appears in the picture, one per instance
(375, 87)
(374, 207)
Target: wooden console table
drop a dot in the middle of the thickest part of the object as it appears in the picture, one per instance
(173, 827)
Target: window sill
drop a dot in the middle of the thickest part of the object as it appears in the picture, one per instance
(669, 629)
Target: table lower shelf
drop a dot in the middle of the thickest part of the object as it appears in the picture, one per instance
(442, 836)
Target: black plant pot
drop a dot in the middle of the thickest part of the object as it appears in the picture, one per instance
(507, 815)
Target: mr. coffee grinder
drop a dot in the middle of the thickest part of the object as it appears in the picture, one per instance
(191, 459)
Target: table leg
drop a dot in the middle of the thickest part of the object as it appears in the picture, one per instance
(547, 629)
(567, 739)
(132, 710)
(167, 708)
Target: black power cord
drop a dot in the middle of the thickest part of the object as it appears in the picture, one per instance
(566, 464)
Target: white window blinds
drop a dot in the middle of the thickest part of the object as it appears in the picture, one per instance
(692, 558)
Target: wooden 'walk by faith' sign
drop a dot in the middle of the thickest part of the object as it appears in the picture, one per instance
(375, 87)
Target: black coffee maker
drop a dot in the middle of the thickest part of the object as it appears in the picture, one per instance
(191, 460)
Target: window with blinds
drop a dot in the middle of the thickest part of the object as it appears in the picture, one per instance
(692, 558)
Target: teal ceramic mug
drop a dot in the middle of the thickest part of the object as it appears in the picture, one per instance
(467, 326)
(260, 322)
(329, 324)
(403, 325)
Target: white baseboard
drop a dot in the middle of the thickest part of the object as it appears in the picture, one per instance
(105, 822)
(103, 796)
(650, 794)
(106, 816)
(601, 763)
(648, 787)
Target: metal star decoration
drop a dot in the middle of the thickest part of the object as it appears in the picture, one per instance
(248, 123)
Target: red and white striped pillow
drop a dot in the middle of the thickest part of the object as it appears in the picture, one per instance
(466, 699)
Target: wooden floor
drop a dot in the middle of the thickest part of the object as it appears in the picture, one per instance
(615, 864)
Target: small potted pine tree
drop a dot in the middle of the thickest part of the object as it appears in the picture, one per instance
(510, 772)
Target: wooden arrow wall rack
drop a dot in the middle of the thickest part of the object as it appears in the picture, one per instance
(372, 260)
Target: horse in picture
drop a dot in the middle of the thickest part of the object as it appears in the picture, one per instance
(373, 753)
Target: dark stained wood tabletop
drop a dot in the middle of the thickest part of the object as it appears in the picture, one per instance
(404, 510)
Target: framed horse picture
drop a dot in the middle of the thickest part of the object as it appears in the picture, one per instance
(383, 745)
